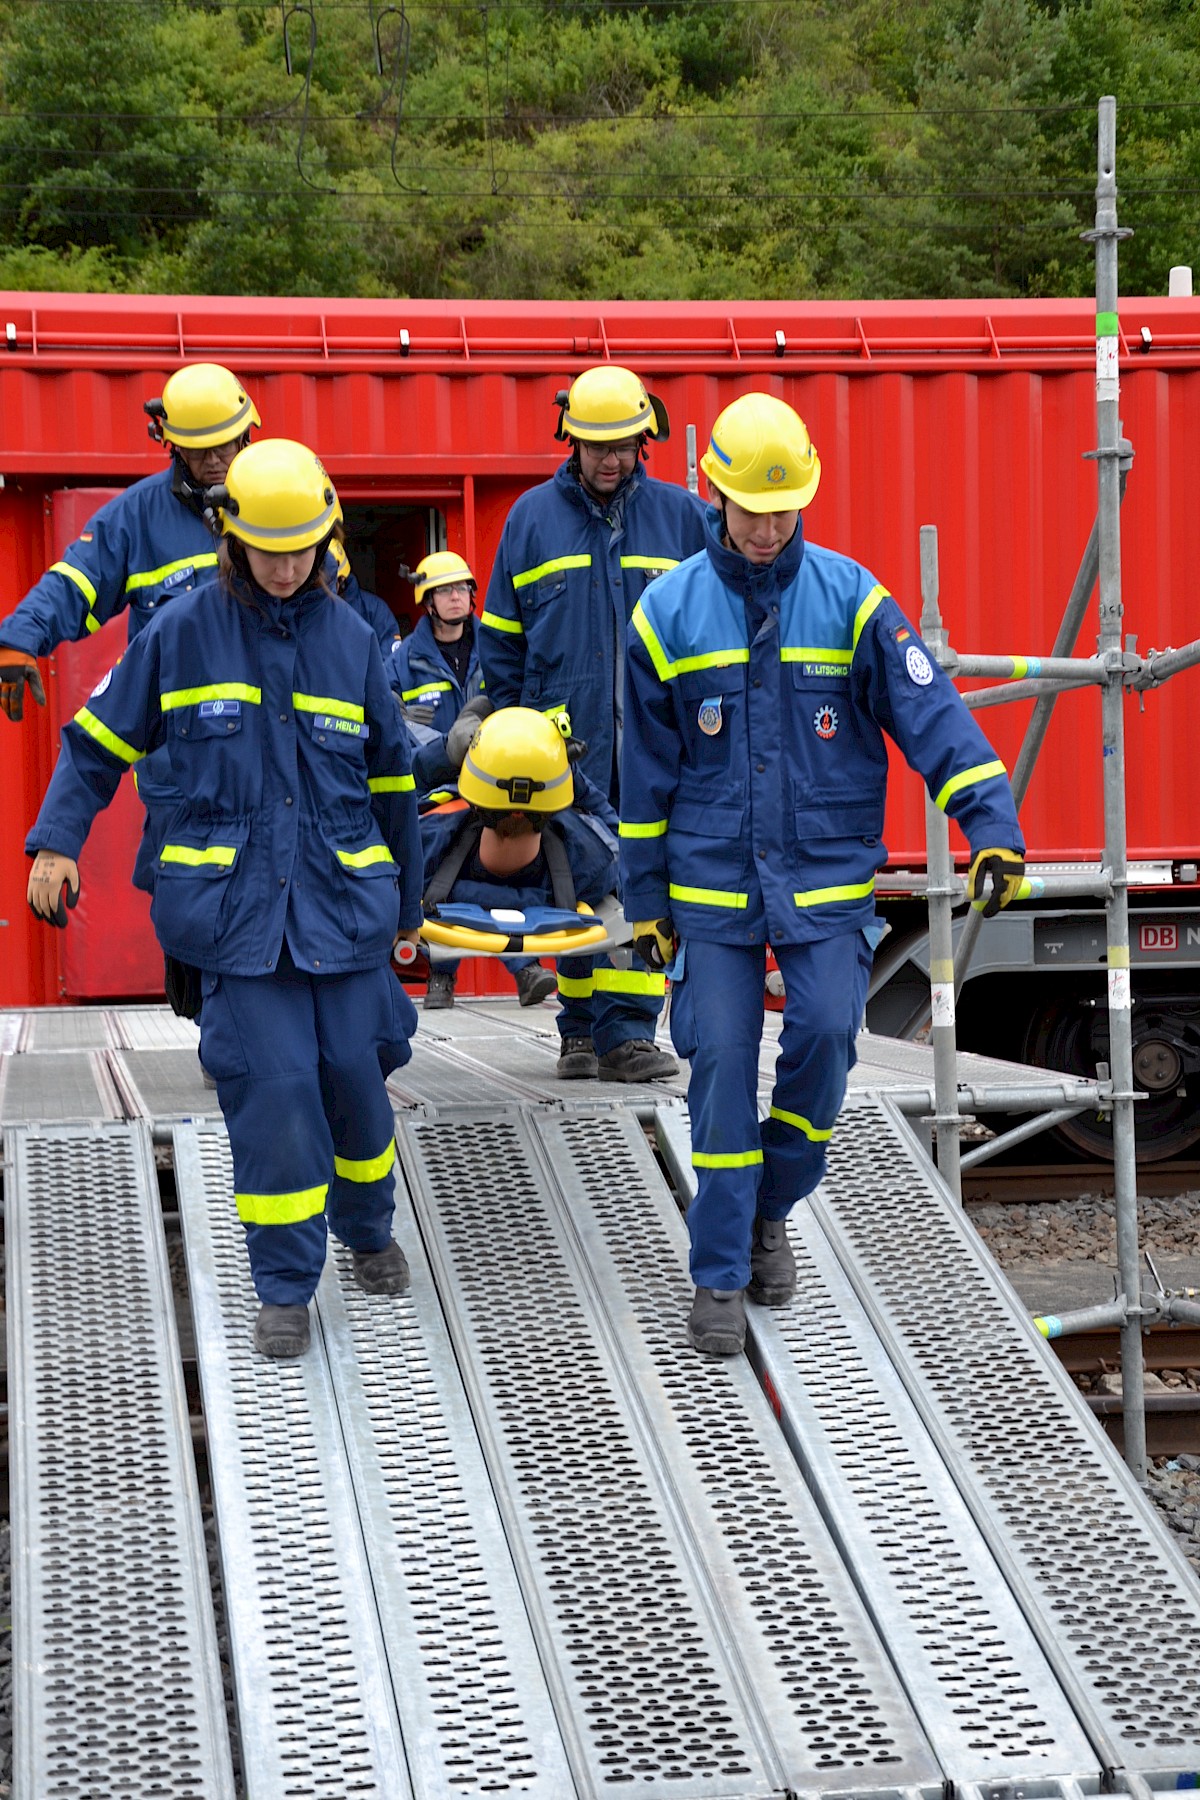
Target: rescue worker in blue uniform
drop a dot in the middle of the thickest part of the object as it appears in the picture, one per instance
(762, 677)
(145, 546)
(435, 673)
(289, 871)
(529, 830)
(575, 554)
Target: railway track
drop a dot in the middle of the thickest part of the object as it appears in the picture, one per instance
(1030, 1183)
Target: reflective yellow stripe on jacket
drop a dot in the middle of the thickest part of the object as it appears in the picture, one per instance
(708, 896)
(207, 559)
(85, 587)
(95, 728)
(218, 690)
(829, 896)
(987, 771)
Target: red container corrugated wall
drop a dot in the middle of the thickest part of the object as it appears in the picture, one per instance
(973, 417)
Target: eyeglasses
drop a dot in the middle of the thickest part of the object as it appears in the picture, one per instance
(452, 587)
(624, 451)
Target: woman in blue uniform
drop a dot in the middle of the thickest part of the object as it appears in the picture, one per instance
(762, 676)
(286, 874)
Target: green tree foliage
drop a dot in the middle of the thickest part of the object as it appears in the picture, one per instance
(591, 148)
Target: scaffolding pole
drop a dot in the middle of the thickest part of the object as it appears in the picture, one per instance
(941, 892)
(1106, 237)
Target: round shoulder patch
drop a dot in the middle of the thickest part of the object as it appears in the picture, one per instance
(100, 686)
(919, 667)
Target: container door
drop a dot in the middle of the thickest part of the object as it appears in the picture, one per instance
(109, 950)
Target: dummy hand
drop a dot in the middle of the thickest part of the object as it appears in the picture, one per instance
(45, 891)
(422, 714)
(655, 942)
(458, 738)
(1001, 870)
(17, 669)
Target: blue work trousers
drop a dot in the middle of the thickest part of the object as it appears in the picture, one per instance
(744, 1167)
(300, 1062)
(610, 1006)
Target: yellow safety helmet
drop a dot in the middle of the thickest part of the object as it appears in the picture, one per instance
(276, 496)
(341, 561)
(517, 762)
(202, 405)
(607, 403)
(441, 568)
(761, 456)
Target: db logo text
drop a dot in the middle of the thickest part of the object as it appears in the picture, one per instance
(1158, 937)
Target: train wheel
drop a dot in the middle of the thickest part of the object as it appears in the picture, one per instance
(1071, 1034)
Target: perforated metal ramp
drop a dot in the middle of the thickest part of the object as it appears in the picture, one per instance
(509, 1535)
(117, 1682)
(906, 1338)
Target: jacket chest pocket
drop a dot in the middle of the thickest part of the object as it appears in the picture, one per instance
(712, 704)
(211, 719)
(336, 736)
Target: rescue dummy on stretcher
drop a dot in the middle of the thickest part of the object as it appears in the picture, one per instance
(521, 858)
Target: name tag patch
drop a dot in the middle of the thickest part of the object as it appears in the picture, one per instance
(178, 577)
(219, 709)
(346, 727)
(826, 671)
(709, 717)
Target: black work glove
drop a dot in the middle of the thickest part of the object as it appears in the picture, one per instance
(655, 942)
(999, 870)
(183, 988)
(18, 670)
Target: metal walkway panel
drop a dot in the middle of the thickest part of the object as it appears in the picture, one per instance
(57, 1087)
(315, 1705)
(12, 1030)
(153, 1028)
(1114, 1603)
(475, 1712)
(698, 1632)
(116, 1678)
(66, 1028)
(972, 1667)
(163, 1084)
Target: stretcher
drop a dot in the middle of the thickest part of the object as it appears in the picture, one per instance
(453, 930)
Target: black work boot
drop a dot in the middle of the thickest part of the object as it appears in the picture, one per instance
(772, 1265)
(717, 1322)
(576, 1060)
(535, 984)
(381, 1271)
(281, 1331)
(637, 1059)
(439, 990)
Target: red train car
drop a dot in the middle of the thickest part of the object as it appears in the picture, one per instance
(975, 417)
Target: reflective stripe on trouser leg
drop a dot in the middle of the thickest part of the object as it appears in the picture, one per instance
(575, 989)
(626, 1002)
(716, 1022)
(826, 989)
(258, 1039)
(355, 1023)
(610, 1005)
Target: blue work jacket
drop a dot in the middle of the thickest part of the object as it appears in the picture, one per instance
(368, 606)
(143, 547)
(567, 576)
(755, 767)
(589, 831)
(421, 676)
(297, 809)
